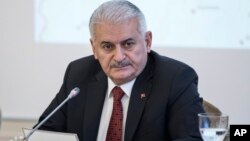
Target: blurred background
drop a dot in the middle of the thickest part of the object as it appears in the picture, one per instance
(39, 38)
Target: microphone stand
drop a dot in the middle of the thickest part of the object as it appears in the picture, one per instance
(72, 94)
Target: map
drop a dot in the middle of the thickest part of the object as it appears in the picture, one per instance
(174, 23)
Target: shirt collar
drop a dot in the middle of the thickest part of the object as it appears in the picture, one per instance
(127, 87)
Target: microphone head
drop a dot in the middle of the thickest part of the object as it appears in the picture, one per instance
(74, 92)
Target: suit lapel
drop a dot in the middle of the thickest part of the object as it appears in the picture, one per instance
(96, 92)
(139, 95)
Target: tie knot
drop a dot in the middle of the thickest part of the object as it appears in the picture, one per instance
(117, 93)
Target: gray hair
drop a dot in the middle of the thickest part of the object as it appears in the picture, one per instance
(116, 12)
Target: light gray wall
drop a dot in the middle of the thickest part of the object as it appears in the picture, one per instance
(31, 74)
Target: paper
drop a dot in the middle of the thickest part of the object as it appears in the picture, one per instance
(41, 135)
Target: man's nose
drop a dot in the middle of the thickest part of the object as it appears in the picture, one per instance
(119, 54)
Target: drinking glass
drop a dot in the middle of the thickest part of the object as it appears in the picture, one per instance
(213, 126)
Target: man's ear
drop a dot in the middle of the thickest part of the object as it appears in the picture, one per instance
(93, 48)
(148, 39)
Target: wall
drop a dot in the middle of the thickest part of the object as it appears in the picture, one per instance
(31, 74)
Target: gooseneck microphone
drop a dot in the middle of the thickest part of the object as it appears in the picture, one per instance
(72, 94)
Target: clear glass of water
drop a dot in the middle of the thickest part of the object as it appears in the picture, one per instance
(213, 126)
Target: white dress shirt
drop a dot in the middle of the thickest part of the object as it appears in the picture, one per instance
(108, 107)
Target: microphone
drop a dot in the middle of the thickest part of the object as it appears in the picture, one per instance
(74, 92)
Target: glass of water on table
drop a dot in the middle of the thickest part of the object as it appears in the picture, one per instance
(213, 126)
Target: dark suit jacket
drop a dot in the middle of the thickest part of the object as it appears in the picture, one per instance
(167, 113)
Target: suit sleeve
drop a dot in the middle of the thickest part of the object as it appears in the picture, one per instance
(185, 104)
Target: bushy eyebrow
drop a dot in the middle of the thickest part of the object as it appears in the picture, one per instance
(129, 39)
(122, 42)
(105, 42)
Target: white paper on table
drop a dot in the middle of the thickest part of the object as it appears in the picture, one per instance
(42, 135)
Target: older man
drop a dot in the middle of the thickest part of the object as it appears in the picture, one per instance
(128, 92)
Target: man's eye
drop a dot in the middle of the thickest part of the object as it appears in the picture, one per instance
(129, 44)
(107, 46)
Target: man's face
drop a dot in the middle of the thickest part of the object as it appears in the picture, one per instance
(121, 49)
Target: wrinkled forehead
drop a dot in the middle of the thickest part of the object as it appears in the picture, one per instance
(108, 31)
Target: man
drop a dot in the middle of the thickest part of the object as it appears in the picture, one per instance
(159, 100)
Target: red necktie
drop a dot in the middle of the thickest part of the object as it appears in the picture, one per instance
(115, 124)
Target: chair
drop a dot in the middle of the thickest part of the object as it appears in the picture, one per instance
(210, 108)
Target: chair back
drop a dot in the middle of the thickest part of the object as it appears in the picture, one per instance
(210, 108)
